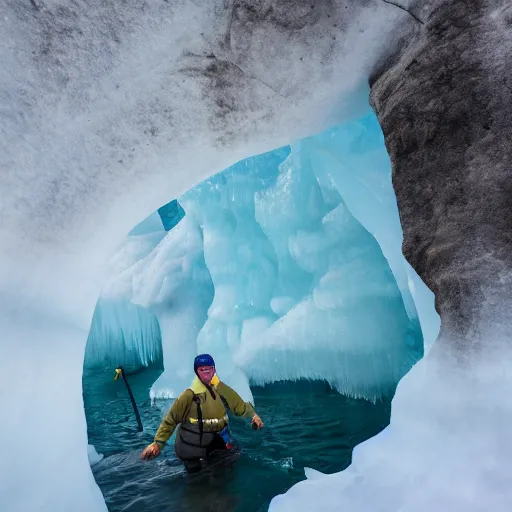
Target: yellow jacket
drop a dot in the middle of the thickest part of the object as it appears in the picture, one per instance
(184, 409)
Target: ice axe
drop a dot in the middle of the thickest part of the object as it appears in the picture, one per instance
(121, 373)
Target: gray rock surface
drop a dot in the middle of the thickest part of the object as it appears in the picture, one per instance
(445, 106)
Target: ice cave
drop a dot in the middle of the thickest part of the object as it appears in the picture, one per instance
(315, 193)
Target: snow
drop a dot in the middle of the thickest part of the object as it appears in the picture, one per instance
(448, 446)
(49, 454)
(313, 474)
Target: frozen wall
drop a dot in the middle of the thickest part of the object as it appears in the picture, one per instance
(336, 297)
(295, 274)
(171, 281)
(238, 255)
(122, 334)
(353, 156)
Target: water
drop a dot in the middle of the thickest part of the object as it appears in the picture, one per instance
(306, 424)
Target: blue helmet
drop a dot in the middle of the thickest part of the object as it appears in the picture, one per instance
(203, 360)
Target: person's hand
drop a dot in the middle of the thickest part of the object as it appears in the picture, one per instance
(257, 424)
(152, 451)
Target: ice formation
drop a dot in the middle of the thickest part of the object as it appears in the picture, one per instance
(354, 158)
(293, 271)
(331, 270)
(170, 214)
(170, 279)
(123, 334)
(94, 456)
(239, 257)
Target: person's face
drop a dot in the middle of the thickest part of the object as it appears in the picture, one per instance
(206, 373)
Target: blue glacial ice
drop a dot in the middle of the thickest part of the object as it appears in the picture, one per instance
(168, 278)
(291, 253)
(337, 297)
(122, 333)
(354, 158)
(170, 214)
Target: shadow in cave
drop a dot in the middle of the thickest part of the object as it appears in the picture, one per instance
(307, 424)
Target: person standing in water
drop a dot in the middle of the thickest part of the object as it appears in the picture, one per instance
(200, 415)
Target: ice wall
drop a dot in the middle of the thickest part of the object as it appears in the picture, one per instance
(166, 275)
(336, 297)
(353, 156)
(123, 334)
(294, 272)
(239, 257)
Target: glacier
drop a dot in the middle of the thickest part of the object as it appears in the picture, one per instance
(269, 265)
(353, 156)
(239, 257)
(169, 280)
(110, 110)
(123, 333)
(336, 269)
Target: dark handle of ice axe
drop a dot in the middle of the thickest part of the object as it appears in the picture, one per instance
(120, 372)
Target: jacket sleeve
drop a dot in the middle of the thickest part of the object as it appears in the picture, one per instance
(176, 415)
(235, 402)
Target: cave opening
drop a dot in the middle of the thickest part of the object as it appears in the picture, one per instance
(287, 268)
(109, 112)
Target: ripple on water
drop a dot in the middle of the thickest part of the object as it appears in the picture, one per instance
(306, 424)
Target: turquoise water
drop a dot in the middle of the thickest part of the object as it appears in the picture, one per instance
(306, 424)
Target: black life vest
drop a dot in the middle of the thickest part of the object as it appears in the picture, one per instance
(192, 442)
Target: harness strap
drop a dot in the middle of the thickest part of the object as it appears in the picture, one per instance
(225, 402)
(200, 418)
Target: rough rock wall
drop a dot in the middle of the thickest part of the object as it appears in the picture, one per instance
(445, 106)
